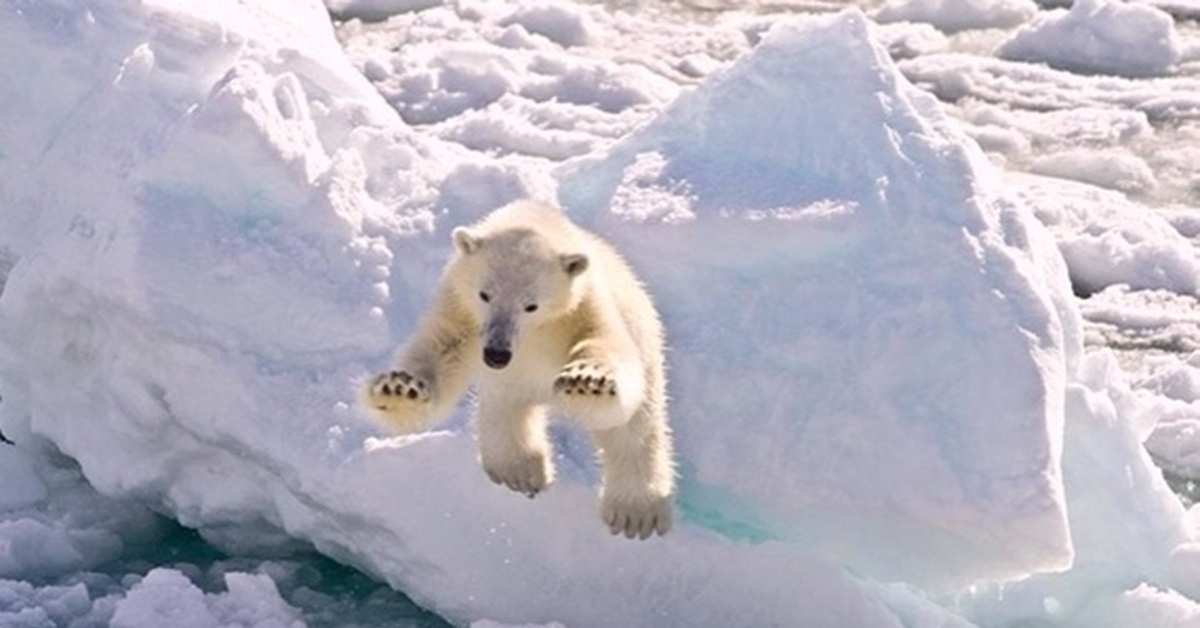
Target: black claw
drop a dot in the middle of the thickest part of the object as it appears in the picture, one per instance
(412, 393)
(385, 389)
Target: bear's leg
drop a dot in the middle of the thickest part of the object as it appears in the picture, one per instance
(431, 374)
(513, 445)
(399, 399)
(639, 475)
(600, 389)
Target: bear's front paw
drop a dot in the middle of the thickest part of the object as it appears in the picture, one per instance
(637, 518)
(586, 378)
(528, 474)
(399, 398)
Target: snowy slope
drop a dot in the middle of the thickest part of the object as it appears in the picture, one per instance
(216, 225)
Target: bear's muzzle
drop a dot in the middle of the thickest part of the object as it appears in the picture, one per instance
(496, 358)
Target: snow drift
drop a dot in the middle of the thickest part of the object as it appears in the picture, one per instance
(218, 226)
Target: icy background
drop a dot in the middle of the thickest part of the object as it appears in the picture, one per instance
(929, 271)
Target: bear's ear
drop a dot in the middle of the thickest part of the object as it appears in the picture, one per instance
(573, 263)
(465, 241)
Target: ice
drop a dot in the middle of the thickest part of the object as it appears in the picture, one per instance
(1100, 36)
(52, 523)
(487, 623)
(563, 24)
(1125, 522)
(22, 486)
(1113, 169)
(811, 292)
(1108, 240)
(375, 10)
(958, 15)
(214, 221)
(164, 597)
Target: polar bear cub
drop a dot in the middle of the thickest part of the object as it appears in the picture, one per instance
(542, 316)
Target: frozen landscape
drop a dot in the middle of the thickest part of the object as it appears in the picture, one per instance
(929, 269)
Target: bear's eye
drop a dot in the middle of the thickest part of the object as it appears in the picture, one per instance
(532, 307)
(485, 297)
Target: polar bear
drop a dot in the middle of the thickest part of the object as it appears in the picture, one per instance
(543, 316)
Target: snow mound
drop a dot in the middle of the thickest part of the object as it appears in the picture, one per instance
(870, 282)
(1149, 545)
(375, 10)
(1108, 240)
(1113, 169)
(563, 24)
(165, 595)
(1099, 37)
(952, 16)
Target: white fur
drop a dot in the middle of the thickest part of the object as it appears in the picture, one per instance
(585, 342)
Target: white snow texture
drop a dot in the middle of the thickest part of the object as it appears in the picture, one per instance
(217, 226)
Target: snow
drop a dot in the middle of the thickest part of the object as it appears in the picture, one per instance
(1099, 36)
(1108, 240)
(812, 294)
(958, 15)
(890, 407)
(166, 596)
(1115, 169)
(375, 10)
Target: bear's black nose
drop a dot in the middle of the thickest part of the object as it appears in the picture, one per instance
(496, 358)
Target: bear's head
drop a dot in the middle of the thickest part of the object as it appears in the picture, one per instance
(515, 280)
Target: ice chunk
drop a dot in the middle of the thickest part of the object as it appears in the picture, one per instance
(167, 597)
(869, 343)
(1099, 36)
(951, 16)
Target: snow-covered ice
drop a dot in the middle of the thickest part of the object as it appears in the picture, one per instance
(1099, 36)
(892, 405)
(779, 215)
(958, 15)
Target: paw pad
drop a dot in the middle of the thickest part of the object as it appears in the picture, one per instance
(528, 475)
(389, 387)
(637, 519)
(586, 379)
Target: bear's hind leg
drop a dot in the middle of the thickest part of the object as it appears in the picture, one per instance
(639, 476)
(514, 448)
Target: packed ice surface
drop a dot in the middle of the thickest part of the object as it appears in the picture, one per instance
(215, 225)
